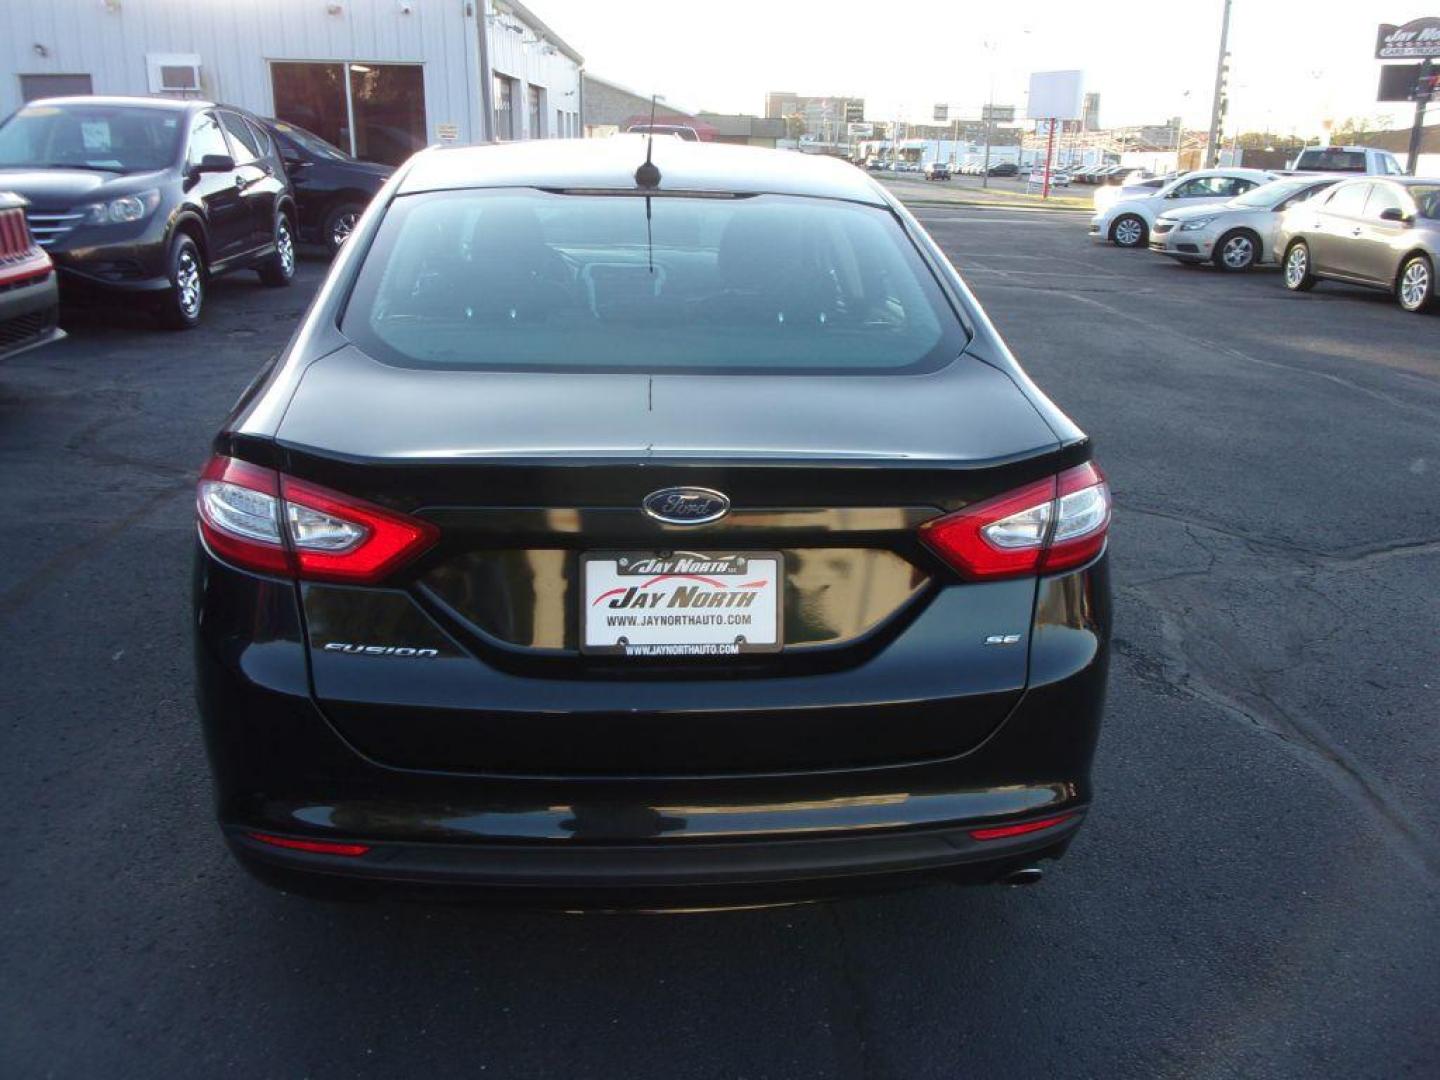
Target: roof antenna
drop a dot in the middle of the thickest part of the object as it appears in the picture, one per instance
(648, 175)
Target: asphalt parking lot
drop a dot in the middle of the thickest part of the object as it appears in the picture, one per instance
(1256, 894)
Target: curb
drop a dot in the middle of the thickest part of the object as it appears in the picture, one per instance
(965, 204)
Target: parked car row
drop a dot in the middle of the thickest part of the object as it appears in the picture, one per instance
(996, 168)
(1381, 231)
(1058, 177)
(151, 198)
(1127, 220)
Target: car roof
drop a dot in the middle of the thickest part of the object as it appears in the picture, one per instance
(108, 101)
(610, 164)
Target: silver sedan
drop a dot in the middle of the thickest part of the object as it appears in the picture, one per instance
(1235, 235)
(1380, 232)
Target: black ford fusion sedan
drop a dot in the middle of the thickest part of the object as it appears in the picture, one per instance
(671, 534)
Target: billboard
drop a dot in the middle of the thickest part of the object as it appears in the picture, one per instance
(942, 114)
(1418, 39)
(1056, 95)
(997, 114)
(1408, 82)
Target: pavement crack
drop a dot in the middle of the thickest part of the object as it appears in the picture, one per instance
(1244, 699)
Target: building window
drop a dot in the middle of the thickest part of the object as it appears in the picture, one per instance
(374, 111)
(389, 111)
(504, 107)
(559, 131)
(534, 111)
(34, 87)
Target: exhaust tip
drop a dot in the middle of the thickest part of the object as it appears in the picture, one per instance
(1029, 875)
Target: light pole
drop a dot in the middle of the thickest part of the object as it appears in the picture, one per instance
(989, 117)
(1212, 150)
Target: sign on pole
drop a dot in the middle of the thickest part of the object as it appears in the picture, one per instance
(1055, 96)
(942, 114)
(1418, 39)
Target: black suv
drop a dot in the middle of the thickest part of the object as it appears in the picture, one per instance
(331, 187)
(149, 196)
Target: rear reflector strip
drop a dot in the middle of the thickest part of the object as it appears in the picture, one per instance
(316, 847)
(1000, 832)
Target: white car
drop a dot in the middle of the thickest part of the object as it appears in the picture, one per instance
(1127, 222)
(1236, 235)
(1057, 178)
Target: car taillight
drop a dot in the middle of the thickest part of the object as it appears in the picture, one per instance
(261, 520)
(1049, 525)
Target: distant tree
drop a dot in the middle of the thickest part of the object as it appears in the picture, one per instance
(1264, 140)
(1356, 129)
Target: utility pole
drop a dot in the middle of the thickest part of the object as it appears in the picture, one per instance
(989, 118)
(1417, 130)
(1212, 148)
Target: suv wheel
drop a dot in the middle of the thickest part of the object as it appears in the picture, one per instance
(1416, 287)
(279, 268)
(340, 223)
(1237, 251)
(182, 303)
(1129, 231)
(1298, 277)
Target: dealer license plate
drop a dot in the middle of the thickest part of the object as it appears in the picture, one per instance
(680, 603)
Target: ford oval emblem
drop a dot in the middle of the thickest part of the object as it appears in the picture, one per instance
(686, 505)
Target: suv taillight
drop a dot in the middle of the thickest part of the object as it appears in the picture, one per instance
(261, 520)
(1050, 525)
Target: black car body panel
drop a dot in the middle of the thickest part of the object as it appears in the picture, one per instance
(446, 720)
(325, 179)
(230, 213)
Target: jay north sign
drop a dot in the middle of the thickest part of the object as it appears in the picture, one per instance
(1418, 39)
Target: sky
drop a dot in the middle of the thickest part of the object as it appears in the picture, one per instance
(1293, 63)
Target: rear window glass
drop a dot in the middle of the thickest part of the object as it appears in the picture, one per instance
(1331, 160)
(525, 280)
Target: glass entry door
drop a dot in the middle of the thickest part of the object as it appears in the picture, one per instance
(374, 111)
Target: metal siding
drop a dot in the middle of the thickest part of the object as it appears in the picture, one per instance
(236, 39)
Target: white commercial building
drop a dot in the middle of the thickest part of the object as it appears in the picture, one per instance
(379, 78)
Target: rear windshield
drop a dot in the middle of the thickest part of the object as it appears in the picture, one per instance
(519, 279)
(1332, 160)
(108, 137)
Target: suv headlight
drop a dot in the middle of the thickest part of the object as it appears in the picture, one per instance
(126, 208)
(1197, 224)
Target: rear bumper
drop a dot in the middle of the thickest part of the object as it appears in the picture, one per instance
(669, 874)
(281, 769)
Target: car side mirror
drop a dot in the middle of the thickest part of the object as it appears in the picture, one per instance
(215, 163)
(1394, 213)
